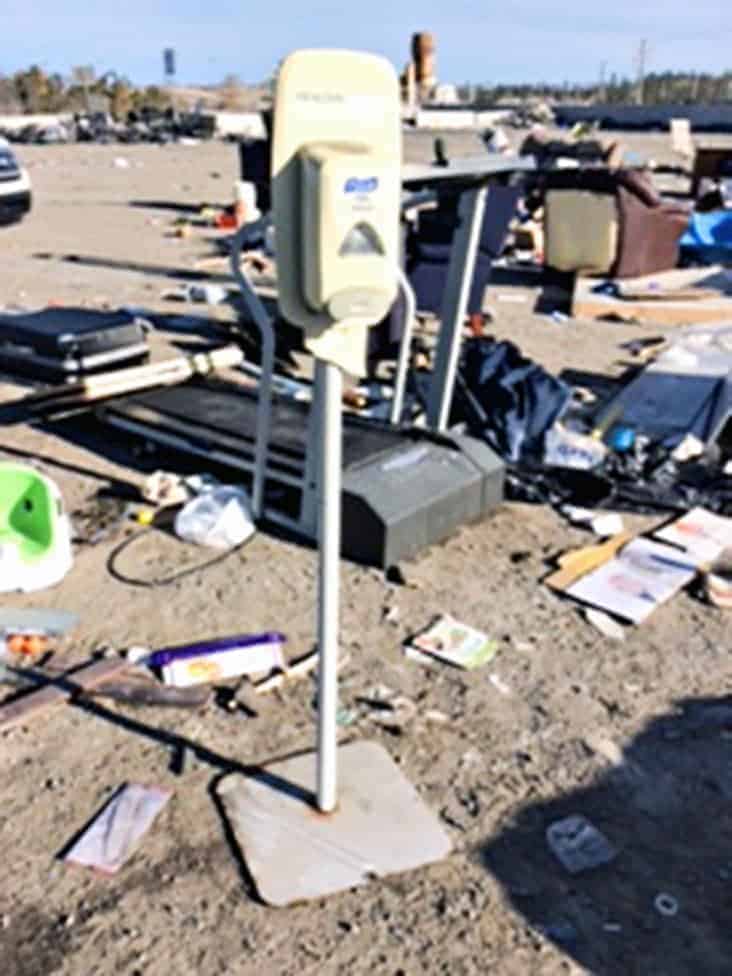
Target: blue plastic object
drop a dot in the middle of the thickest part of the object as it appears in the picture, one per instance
(621, 439)
(708, 238)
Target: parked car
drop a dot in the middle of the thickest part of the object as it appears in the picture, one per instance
(15, 186)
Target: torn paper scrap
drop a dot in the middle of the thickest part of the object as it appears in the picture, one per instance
(701, 534)
(116, 832)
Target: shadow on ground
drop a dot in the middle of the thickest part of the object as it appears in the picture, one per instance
(668, 810)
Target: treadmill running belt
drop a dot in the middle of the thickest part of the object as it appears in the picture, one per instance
(232, 410)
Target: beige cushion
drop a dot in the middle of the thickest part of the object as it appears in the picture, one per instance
(581, 230)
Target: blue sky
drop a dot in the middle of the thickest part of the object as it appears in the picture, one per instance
(530, 40)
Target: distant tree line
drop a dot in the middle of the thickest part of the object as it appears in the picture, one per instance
(33, 91)
(659, 88)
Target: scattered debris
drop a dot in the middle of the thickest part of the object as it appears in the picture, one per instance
(499, 684)
(163, 488)
(454, 643)
(676, 297)
(688, 448)
(436, 717)
(68, 397)
(217, 660)
(605, 624)
(604, 747)
(22, 649)
(52, 623)
(388, 709)
(718, 581)
(293, 672)
(205, 294)
(574, 564)
(55, 690)
(115, 833)
(702, 535)
(345, 717)
(25, 635)
(139, 692)
(565, 448)
(666, 905)
(512, 297)
(220, 517)
(578, 845)
(612, 927)
(604, 524)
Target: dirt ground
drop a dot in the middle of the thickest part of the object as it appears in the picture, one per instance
(635, 735)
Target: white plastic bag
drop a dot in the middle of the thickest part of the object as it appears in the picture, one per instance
(565, 448)
(220, 518)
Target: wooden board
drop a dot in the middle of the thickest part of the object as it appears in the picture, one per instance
(59, 690)
(671, 302)
(578, 562)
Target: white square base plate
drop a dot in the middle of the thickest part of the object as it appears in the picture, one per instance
(294, 852)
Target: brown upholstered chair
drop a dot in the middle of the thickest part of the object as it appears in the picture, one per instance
(610, 222)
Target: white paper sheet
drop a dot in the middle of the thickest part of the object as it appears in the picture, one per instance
(702, 534)
(641, 577)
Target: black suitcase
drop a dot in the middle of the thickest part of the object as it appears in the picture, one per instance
(68, 343)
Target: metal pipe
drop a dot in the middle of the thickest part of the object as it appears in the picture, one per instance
(400, 379)
(457, 292)
(261, 319)
(329, 384)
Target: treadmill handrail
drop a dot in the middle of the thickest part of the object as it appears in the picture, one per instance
(466, 172)
(262, 320)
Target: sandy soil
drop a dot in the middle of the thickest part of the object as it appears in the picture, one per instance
(537, 735)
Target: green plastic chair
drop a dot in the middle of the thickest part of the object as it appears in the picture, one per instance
(35, 534)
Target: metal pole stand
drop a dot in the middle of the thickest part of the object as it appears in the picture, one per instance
(370, 821)
(329, 384)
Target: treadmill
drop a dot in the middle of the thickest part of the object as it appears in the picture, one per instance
(404, 488)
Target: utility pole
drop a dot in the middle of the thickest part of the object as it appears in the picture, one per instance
(641, 59)
(602, 84)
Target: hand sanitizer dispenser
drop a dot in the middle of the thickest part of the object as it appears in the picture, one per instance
(347, 228)
(336, 186)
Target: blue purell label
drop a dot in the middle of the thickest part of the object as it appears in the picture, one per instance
(361, 185)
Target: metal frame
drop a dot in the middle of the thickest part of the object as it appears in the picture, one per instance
(470, 177)
(261, 319)
(455, 302)
(307, 522)
(329, 385)
(472, 183)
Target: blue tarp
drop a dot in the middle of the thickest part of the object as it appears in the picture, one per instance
(513, 400)
(708, 238)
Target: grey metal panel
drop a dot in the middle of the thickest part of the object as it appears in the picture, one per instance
(400, 504)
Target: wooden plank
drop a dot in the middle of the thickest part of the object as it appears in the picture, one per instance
(137, 692)
(579, 562)
(660, 299)
(59, 690)
(117, 382)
